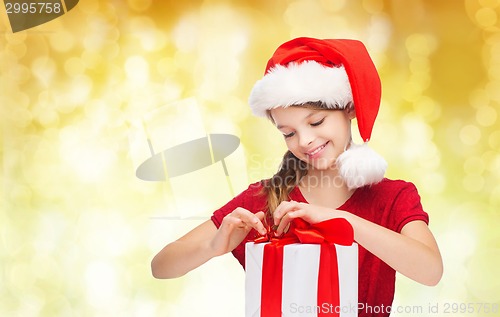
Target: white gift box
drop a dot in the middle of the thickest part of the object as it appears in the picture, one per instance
(300, 280)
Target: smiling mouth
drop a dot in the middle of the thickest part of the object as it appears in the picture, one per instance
(316, 151)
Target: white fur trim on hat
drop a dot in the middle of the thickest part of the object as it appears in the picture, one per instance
(360, 166)
(296, 84)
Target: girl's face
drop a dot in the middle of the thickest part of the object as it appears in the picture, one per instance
(314, 136)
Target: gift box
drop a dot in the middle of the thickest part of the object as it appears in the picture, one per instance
(309, 272)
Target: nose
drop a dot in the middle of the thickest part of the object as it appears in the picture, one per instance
(305, 138)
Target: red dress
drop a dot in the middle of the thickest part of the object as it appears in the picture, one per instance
(390, 203)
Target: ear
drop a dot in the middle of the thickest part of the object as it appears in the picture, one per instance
(351, 113)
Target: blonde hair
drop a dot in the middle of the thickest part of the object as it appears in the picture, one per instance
(279, 187)
(291, 170)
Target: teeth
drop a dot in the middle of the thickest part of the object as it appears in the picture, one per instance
(317, 150)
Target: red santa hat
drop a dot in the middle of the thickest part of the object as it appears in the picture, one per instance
(338, 73)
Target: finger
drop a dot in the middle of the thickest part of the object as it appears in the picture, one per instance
(297, 213)
(285, 221)
(283, 208)
(261, 215)
(251, 219)
(280, 211)
(233, 222)
(258, 224)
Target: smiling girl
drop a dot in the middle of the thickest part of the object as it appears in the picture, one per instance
(311, 91)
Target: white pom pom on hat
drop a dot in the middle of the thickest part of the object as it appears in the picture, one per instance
(336, 72)
(360, 165)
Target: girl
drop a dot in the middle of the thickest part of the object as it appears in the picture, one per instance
(311, 91)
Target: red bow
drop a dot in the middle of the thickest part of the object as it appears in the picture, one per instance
(326, 233)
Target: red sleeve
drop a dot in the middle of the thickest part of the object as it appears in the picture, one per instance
(251, 199)
(407, 207)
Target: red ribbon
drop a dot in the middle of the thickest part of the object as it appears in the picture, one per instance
(327, 234)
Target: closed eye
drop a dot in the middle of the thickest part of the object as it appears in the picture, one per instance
(289, 135)
(317, 123)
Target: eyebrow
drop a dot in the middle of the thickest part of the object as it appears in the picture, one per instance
(306, 117)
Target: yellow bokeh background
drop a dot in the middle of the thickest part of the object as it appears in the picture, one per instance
(81, 94)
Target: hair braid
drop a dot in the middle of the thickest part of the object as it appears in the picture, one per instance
(289, 174)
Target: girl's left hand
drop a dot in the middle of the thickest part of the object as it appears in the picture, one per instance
(289, 210)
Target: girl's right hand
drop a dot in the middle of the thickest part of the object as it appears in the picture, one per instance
(234, 228)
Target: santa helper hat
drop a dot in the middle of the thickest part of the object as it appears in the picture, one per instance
(338, 73)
